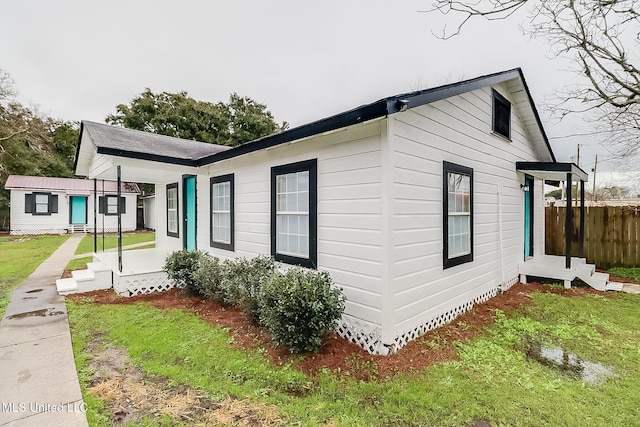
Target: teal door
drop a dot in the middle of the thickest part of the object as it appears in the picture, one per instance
(189, 209)
(528, 217)
(78, 212)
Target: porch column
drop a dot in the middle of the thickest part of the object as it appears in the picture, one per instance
(95, 215)
(581, 241)
(119, 194)
(568, 224)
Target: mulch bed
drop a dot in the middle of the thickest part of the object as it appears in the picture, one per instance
(337, 354)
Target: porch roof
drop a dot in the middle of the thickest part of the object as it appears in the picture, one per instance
(552, 171)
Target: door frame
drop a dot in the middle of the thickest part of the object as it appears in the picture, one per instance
(529, 202)
(186, 221)
(86, 210)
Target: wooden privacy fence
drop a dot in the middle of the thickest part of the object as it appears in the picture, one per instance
(611, 234)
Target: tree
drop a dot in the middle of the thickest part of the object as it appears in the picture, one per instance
(30, 143)
(177, 114)
(600, 36)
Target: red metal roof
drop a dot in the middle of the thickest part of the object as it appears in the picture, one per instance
(66, 184)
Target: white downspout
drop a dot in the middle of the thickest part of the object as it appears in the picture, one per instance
(500, 240)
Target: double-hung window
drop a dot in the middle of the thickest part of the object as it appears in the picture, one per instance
(222, 212)
(108, 205)
(172, 210)
(457, 214)
(294, 213)
(41, 203)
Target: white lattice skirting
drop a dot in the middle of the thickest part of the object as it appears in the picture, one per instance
(65, 230)
(369, 336)
(138, 284)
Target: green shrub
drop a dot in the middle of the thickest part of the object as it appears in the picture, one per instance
(181, 266)
(242, 281)
(207, 278)
(298, 307)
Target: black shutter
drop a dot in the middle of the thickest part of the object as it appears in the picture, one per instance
(101, 202)
(53, 203)
(123, 205)
(28, 203)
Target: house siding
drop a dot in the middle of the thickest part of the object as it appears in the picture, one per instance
(56, 223)
(349, 213)
(457, 130)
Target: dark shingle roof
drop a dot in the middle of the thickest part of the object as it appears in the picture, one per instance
(118, 141)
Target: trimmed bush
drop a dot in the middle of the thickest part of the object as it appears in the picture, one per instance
(208, 278)
(181, 266)
(298, 307)
(242, 281)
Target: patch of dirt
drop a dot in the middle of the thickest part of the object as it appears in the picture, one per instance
(337, 354)
(131, 395)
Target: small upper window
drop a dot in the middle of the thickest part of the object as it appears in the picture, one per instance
(501, 115)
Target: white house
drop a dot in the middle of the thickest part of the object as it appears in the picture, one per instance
(45, 205)
(418, 205)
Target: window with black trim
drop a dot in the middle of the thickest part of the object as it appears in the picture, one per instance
(294, 213)
(172, 210)
(222, 212)
(501, 115)
(457, 214)
(41, 203)
(108, 205)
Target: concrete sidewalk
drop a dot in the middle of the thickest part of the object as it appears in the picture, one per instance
(38, 379)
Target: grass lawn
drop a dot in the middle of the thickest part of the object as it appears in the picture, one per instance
(111, 241)
(627, 272)
(20, 256)
(493, 379)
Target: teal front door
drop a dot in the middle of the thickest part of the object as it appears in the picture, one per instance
(78, 212)
(528, 217)
(189, 209)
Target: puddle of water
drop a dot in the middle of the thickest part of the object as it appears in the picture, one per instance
(568, 363)
(36, 313)
(33, 291)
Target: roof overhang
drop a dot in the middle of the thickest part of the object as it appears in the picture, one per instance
(552, 171)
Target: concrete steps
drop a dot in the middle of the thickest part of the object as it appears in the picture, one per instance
(96, 276)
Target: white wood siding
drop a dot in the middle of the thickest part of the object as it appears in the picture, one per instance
(457, 130)
(26, 223)
(349, 221)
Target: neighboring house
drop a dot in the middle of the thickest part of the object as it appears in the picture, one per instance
(418, 205)
(149, 210)
(44, 205)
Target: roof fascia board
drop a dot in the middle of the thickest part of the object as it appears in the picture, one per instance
(537, 116)
(359, 115)
(571, 168)
(442, 92)
(146, 156)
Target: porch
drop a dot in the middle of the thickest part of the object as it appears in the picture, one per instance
(554, 267)
(141, 273)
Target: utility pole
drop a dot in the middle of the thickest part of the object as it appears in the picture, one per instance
(595, 168)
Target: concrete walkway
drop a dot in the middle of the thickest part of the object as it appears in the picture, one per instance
(38, 380)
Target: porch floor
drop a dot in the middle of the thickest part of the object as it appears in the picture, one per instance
(139, 261)
(553, 267)
(141, 271)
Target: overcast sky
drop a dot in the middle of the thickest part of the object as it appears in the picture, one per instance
(304, 59)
